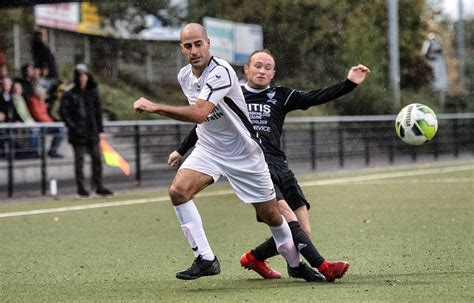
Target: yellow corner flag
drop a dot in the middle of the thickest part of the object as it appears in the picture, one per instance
(113, 158)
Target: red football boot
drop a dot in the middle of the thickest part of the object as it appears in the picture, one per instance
(333, 270)
(249, 262)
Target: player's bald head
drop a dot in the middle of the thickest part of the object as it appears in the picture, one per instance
(193, 29)
(195, 46)
(263, 51)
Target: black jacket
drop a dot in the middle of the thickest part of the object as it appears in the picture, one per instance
(42, 56)
(82, 114)
(8, 109)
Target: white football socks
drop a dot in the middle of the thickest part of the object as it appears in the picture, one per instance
(284, 243)
(191, 225)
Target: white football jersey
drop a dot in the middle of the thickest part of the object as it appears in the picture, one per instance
(227, 132)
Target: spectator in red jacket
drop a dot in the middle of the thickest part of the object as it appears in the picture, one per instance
(39, 111)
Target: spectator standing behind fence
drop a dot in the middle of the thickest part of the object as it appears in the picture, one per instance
(81, 112)
(41, 52)
(39, 112)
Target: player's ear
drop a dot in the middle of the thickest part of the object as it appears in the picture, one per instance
(246, 68)
(273, 74)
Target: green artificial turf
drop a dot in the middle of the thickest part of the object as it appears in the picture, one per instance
(408, 238)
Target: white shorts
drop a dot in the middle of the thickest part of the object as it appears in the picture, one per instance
(248, 176)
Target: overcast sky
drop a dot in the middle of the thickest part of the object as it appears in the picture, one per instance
(451, 8)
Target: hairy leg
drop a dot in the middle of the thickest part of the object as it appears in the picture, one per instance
(185, 185)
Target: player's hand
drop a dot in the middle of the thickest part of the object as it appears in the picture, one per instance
(357, 74)
(144, 105)
(174, 158)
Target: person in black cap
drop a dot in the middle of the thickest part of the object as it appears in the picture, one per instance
(81, 112)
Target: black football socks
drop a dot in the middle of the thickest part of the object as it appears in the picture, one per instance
(303, 243)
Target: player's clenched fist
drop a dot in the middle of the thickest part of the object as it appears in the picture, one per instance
(358, 73)
(144, 105)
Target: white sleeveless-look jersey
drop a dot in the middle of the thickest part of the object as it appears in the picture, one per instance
(227, 132)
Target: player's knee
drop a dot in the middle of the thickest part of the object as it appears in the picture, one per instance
(270, 215)
(275, 220)
(178, 194)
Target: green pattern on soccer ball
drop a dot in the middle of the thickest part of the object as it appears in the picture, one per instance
(398, 126)
(426, 109)
(427, 130)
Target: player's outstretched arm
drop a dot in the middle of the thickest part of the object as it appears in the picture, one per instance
(357, 74)
(194, 113)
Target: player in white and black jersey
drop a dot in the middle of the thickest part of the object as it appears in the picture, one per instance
(227, 145)
(268, 107)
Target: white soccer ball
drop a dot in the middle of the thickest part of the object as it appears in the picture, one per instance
(416, 124)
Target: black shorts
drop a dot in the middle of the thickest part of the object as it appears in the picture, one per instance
(286, 186)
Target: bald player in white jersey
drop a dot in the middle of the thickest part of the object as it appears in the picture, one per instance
(228, 146)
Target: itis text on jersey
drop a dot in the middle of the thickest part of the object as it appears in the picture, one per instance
(259, 115)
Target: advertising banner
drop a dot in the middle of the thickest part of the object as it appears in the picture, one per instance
(84, 18)
(90, 21)
(221, 34)
(247, 38)
(233, 41)
(63, 16)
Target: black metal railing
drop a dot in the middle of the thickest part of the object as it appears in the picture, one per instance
(311, 143)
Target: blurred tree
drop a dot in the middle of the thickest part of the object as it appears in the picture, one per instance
(413, 27)
(315, 43)
(8, 18)
(132, 13)
(469, 57)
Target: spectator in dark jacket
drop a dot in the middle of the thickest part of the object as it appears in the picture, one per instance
(7, 107)
(8, 114)
(81, 112)
(27, 80)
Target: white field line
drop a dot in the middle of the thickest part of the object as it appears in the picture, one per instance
(416, 181)
(227, 192)
(388, 175)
